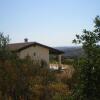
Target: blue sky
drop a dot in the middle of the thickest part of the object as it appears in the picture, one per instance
(51, 22)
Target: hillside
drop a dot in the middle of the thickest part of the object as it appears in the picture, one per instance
(70, 52)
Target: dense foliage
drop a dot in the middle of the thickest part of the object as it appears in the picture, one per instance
(88, 67)
(24, 79)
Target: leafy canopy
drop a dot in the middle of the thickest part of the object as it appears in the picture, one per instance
(88, 67)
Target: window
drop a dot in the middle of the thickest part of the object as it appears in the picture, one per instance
(34, 54)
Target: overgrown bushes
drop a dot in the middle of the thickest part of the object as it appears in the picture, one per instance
(22, 79)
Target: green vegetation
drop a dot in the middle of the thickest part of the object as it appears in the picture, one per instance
(88, 67)
(68, 61)
(22, 79)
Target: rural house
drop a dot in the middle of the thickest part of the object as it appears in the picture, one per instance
(35, 50)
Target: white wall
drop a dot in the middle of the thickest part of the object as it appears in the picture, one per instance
(36, 53)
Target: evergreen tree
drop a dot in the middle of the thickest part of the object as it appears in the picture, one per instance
(88, 87)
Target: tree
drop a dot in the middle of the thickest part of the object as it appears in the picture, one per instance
(4, 40)
(88, 67)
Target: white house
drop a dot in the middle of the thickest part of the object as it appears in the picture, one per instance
(35, 50)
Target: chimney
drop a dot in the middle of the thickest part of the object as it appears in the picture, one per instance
(25, 40)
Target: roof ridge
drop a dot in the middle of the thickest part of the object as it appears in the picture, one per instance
(23, 45)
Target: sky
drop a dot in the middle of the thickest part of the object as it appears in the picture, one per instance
(50, 22)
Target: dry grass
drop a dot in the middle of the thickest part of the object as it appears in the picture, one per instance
(66, 73)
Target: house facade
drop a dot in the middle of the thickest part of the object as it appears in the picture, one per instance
(35, 53)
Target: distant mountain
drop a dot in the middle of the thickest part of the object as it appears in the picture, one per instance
(71, 52)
